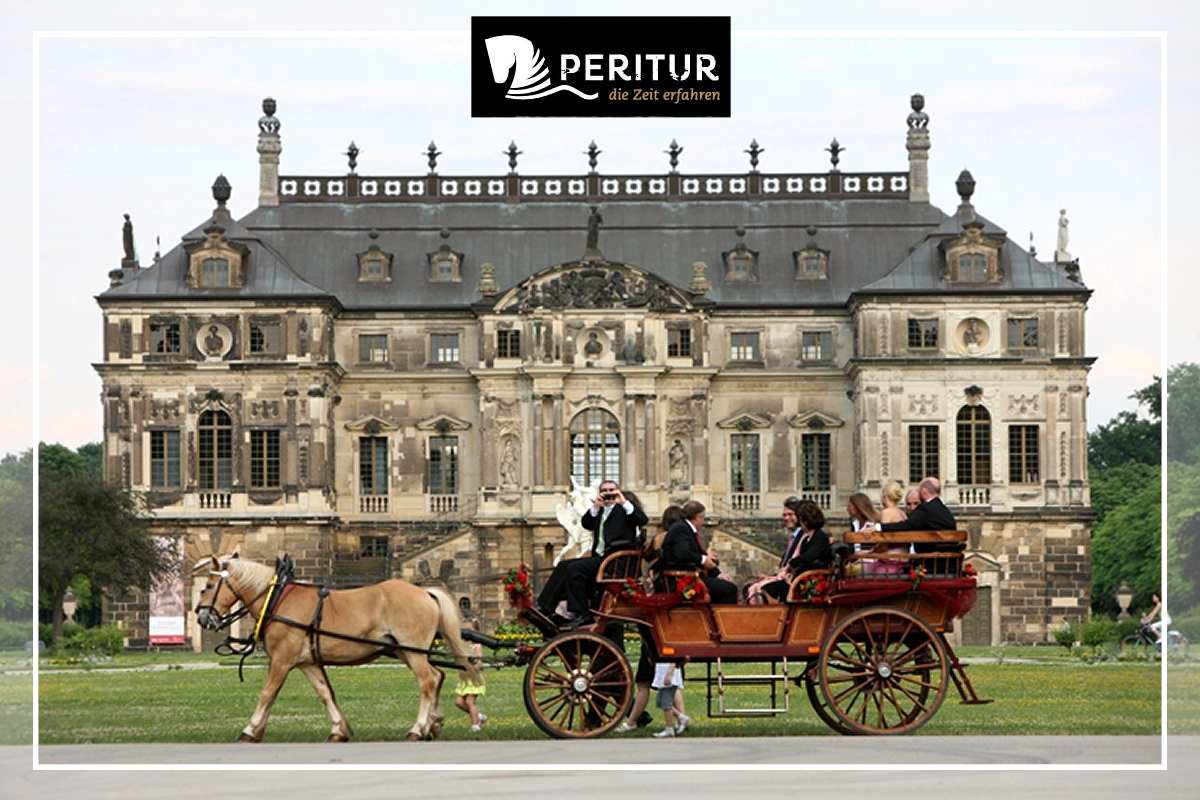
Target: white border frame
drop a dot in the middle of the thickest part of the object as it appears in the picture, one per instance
(1160, 35)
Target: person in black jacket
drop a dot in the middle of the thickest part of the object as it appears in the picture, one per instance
(614, 521)
(930, 515)
(682, 551)
(812, 551)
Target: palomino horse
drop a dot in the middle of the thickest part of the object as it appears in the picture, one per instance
(393, 612)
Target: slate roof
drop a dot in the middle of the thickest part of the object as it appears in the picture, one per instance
(310, 249)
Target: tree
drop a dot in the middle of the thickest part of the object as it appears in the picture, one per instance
(1129, 437)
(16, 535)
(1183, 535)
(90, 528)
(1183, 413)
(1126, 541)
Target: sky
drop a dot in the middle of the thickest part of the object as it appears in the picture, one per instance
(143, 126)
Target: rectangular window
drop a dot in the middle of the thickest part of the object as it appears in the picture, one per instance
(922, 452)
(214, 273)
(444, 347)
(1023, 460)
(973, 268)
(372, 465)
(265, 337)
(1022, 333)
(743, 346)
(264, 459)
(372, 546)
(373, 348)
(443, 465)
(164, 459)
(164, 338)
(816, 346)
(922, 334)
(743, 462)
(814, 452)
(679, 342)
(508, 344)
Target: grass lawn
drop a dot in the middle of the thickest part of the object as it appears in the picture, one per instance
(1065, 697)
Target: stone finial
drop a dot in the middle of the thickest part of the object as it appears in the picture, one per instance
(268, 122)
(593, 152)
(431, 154)
(512, 152)
(965, 186)
(487, 281)
(699, 284)
(673, 150)
(918, 119)
(221, 190)
(753, 151)
(351, 155)
(834, 151)
(444, 233)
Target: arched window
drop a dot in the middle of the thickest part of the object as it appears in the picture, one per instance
(595, 446)
(215, 445)
(974, 425)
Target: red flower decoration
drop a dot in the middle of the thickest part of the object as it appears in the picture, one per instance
(516, 586)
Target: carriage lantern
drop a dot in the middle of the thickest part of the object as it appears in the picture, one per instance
(1124, 598)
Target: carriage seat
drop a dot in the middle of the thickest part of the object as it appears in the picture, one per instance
(618, 566)
(940, 552)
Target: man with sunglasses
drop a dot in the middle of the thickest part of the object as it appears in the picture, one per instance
(614, 522)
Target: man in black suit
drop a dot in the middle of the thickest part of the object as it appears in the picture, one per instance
(930, 515)
(682, 550)
(614, 522)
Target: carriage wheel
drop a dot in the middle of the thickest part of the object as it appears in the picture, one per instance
(578, 686)
(882, 671)
(812, 685)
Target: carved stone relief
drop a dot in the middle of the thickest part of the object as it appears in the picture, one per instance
(264, 409)
(1062, 455)
(883, 455)
(214, 340)
(510, 463)
(594, 285)
(923, 405)
(677, 458)
(1023, 405)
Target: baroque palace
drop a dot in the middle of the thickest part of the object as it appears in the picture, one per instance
(402, 375)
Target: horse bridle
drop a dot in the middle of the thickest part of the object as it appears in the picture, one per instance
(223, 621)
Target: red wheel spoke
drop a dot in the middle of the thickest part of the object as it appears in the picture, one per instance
(870, 638)
(606, 670)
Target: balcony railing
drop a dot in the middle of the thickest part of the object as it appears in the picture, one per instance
(373, 504)
(822, 497)
(216, 500)
(745, 501)
(974, 495)
(442, 503)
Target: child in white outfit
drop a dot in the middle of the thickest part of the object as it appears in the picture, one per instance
(668, 678)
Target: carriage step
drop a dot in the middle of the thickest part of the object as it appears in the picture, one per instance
(773, 680)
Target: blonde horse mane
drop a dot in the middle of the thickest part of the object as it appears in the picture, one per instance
(248, 576)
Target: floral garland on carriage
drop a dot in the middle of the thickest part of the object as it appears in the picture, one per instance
(517, 587)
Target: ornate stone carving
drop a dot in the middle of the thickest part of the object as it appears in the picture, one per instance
(1023, 405)
(677, 458)
(812, 261)
(214, 340)
(974, 334)
(264, 409)
(374, 263)
(1063, 451)
(487, 280)
(369, 423)
(303, 336)
(1062, 404)
(699, 284)
(594, 285)
(445, 264)
(510, 463)
(815, 420)
(741, 263)
(164, 410)
(1063, 344)
(923, 405)
(125, 346)
(882, 333)
(883, 455)
(746, 420)
(443, 423)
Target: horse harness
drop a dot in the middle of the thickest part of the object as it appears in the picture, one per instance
(281, 583)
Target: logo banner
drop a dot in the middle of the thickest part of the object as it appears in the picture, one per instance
(600, 66)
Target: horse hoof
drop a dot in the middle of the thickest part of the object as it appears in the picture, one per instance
(245, 737)
(413, 737)
(337, 737)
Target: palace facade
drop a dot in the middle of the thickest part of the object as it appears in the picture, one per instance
(402, 375)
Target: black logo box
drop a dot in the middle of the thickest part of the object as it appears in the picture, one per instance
(631, 37)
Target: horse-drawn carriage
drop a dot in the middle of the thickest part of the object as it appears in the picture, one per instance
(867, 638)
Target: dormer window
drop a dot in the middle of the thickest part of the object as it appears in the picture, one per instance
(741, 263)
(973, 257)
(445, 265)
(216, 263)
(812, 263)
(374, 265)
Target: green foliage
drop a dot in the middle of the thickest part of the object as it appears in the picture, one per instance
(1183, 413)
(1098, 632)
(1126, 438)
(1188, 624)
(1066, 635)
(46, 631)
(106, 640)
(1126, 542)
(1126, 627)
(14, 635)
(16, 535)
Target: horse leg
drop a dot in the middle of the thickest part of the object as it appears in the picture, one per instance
(427, 681)
(437, 717)
(277, 673)
(340, 732)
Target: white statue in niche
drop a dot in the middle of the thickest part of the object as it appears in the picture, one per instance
(1061, 254)
(570, 516)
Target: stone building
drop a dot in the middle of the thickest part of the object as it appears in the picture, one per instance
(400, 375)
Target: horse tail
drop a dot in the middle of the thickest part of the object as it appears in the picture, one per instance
(451, 628)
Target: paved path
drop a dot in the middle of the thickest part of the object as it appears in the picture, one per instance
(493, 780)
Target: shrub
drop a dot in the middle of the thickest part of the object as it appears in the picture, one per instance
(46, 631)
(1127, 627)
(14, 635)
(1098, 631)
(103, 640)
(1188, 624)
(1067, 635)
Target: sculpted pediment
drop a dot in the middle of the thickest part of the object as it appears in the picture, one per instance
(745, 421)
(372, 424)
(815, 420)
(443, 423)
(594, 283)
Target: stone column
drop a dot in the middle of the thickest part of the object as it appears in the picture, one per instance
(269, 148)
(557, 442)
(918, 152)
(652, 445)
(629, 452)
(536, 445)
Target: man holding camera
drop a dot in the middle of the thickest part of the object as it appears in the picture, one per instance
(614, 522)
